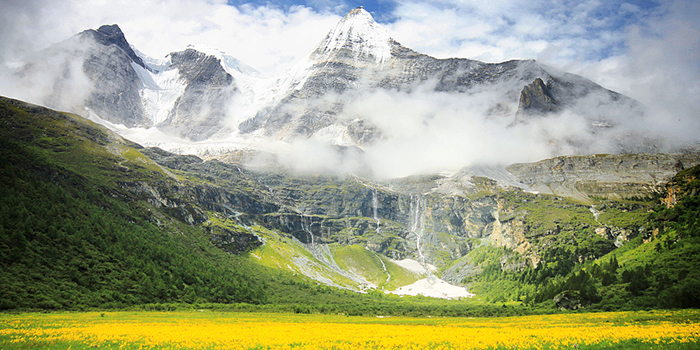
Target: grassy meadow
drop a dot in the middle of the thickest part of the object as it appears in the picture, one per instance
(205, 329)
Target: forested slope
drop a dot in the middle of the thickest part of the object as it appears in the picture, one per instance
(70, 236)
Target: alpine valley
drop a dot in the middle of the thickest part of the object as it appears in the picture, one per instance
(129, 180)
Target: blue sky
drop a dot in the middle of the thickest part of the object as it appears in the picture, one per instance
(647, 49)
(602, 22)
(381, 10)
(562, 33)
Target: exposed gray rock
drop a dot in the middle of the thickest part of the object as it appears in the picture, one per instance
(93, 69)
(112, 35)
(358, 57)
(535, 99)
(604, 175)
(163, 196)
(203, 107)
(231, 241)
(568, 300)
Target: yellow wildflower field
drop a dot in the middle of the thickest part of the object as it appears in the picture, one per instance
(216, 330)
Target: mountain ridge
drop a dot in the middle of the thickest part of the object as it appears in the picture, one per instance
(112, 34)
(322, 97)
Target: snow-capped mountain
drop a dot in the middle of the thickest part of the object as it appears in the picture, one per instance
(310, 93)
(93, 69)
(359, 57)
(202, 95)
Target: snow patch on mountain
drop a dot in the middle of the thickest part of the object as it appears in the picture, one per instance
(163, 85)
(230, 64)
(160, 91)
(153, 64)
(415, 266)
(434, 288)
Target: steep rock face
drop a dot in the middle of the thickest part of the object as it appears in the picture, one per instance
(231, 191)
(114, 95)
(200, 111)
(338, 65)
(384, 220)
(511, 235)
(233, 242)
(405, 218)
(535, 99)
(682, 185)
(112, 35)
(163, 196)
(611, 176)
(107, 62)
(188, 94)
(94, 69)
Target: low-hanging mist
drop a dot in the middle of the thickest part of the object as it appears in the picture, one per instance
(427, 132)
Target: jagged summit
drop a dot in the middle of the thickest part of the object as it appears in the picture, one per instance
(356, 37)
(113, 35)
(230, 64)
(359, 12)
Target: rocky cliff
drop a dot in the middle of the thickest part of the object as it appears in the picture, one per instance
(202, 108)
(683, 184)
(606, 176)
(536, 99)
(414, 218)
(90, 70)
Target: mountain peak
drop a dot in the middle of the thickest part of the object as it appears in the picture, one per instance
(361, 12)
(111, 34)
(357, 37)
(112, 31)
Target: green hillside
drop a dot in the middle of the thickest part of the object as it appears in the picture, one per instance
(90, 220)
(656, 269)
(70, 236)
(87, 220)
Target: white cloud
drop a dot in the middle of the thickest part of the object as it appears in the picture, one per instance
(266, 38)
(660, 68)
(510, 29)
(272, 39)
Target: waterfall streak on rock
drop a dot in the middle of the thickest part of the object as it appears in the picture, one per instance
(375, 204)
(388, 275)
(306, 228)
(235, 215)
(595, 213)
(415, 216)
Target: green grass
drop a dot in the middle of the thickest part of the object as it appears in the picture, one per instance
(369, 265)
